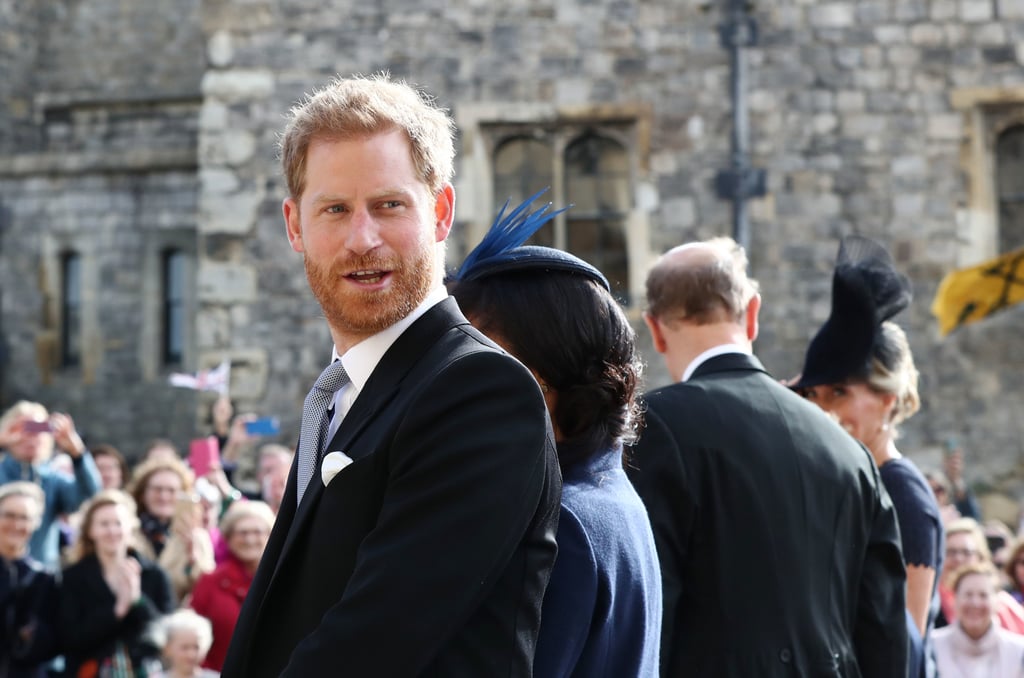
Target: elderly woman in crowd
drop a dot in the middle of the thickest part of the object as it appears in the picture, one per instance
(170, 516)
(859, 368)
(28, 592)
(185, 638)
(218, 595)
(966, 545)
(601, 612)
(111, 594)
(976, 646)
(29, 432)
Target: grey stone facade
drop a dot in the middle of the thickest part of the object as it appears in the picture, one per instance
(161, 119)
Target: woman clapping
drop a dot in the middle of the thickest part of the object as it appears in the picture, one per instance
(111, 594)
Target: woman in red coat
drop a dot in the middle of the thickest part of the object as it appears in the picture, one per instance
(218, 595)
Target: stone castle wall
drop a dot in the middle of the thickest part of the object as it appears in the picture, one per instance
(852, 115)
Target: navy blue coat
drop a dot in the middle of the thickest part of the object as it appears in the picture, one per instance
(602, 609)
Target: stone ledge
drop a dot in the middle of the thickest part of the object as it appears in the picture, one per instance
(92, 162)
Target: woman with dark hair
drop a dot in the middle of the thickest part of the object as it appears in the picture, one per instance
(602, 610)
(112, 466)
(859, 368)
(111, 594)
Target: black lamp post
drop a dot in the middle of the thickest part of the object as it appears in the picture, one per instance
(740, 181)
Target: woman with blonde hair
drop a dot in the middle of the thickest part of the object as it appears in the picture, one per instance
(171, 520)
(859, 368)
(966, 546)
(110, 594)
(976, 646)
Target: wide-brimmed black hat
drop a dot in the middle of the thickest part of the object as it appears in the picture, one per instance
(867, 290)
(502, 249)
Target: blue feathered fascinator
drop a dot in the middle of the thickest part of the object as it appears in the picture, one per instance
(502, 249)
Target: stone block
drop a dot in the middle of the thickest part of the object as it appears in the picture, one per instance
(233, 213)
(948, 126)
(1010, 9)
(232, 147)
(849, 101)
(890, 34)
(974, 11)
(238, 85)
(225, 283)
(927, 35)
(220, 49)
(942, 10)
(831, 15)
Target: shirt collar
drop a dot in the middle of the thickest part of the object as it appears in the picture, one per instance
(709, 354)
(361, 360)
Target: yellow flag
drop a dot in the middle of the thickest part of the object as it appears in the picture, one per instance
(970, 294)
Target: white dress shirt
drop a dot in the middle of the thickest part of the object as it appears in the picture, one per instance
(361, 360)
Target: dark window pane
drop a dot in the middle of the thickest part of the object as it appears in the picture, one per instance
(1010, 187)
(598, 186)
(522, 166)
(71, 310)
(174, 307)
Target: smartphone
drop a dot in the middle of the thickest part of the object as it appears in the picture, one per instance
(203, 454)
(995, 542)
(187, 511)
(264, 426)
(37, 427)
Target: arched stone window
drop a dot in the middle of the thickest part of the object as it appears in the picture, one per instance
(592, 173)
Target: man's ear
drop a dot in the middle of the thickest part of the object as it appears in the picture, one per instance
(657, 333)
(444, 212)
(753, 307)
(292, 224)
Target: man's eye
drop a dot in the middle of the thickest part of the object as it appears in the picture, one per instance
(390, 204)
(335, 209)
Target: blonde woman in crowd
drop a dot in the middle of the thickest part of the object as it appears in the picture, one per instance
(111, 594)
(859, 368)
(975, 646)
(170, 518)
(966, 545)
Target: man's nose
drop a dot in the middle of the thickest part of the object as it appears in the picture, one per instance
(363, 232)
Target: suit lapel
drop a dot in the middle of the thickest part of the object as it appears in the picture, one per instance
(381, 388)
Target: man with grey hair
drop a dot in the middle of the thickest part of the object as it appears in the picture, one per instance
(779, 547)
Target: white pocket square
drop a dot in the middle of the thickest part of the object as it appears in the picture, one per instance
(332, 464)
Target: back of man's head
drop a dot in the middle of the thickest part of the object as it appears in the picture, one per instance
(701, 283)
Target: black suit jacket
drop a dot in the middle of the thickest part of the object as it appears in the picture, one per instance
(430, 553)
(779, 547)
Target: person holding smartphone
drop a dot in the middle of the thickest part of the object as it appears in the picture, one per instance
(28, 434)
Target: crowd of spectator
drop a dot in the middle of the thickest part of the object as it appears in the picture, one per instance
(115, 568)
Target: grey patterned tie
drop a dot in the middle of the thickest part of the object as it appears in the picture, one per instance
(314, 421)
